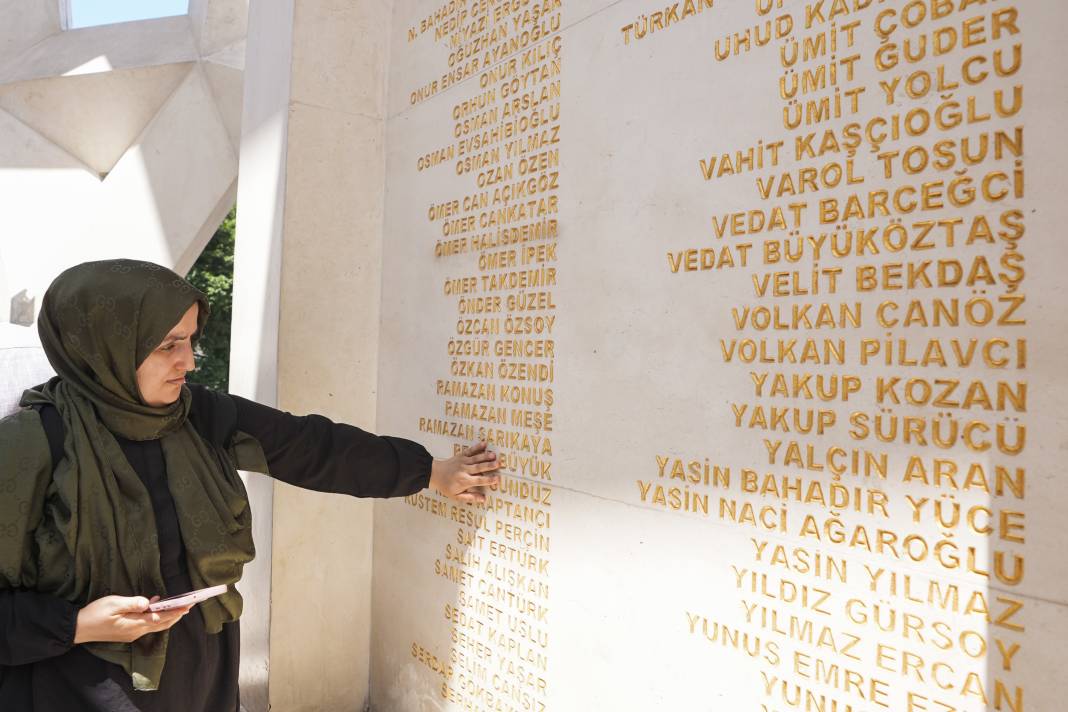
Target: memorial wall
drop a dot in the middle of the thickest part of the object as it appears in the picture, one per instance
(762, 305)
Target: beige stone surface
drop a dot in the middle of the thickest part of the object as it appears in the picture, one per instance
(227, 85)
(327, 365)
(254, 334)
(95, 49)
(608, 608)
(339, 55)
(177, 184)
(94, 117)
(29, 23)
(311, 205)
(218, 23)
(26, 149)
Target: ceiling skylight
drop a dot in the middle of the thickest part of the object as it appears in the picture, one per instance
(89, 13)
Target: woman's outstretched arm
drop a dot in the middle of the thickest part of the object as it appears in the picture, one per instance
(316, 453)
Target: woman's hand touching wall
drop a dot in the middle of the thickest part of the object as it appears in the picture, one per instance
(465, 476)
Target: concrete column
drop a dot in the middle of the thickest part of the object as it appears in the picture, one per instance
(306, 308)
(254, 333)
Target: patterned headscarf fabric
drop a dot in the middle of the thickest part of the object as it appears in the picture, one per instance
(87, 529)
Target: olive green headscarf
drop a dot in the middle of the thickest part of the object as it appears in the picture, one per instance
(88, 529)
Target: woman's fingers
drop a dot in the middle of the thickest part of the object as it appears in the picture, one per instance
(151, 622)
(475, 449)
(169, 621)
(465, 476)
(480, 467)
(153, 619)
(480, 462)
(479, 483)
(126, 604)
(481, 457)
(123, 619)
(471, 496)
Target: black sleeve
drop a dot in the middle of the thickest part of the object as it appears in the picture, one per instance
(34, 626)
(316, 453)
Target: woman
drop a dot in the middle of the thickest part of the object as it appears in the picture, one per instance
(138, 496)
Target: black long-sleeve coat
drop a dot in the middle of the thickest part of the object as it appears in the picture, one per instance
(41, 670)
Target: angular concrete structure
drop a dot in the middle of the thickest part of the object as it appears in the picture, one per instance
(119, 139)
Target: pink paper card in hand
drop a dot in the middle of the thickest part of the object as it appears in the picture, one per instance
(186, 599)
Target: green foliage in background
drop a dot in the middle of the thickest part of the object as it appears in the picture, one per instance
(213, 274)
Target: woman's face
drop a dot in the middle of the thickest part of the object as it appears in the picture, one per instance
(161, 376)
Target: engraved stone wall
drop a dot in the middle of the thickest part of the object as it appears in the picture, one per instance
(762, 305)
